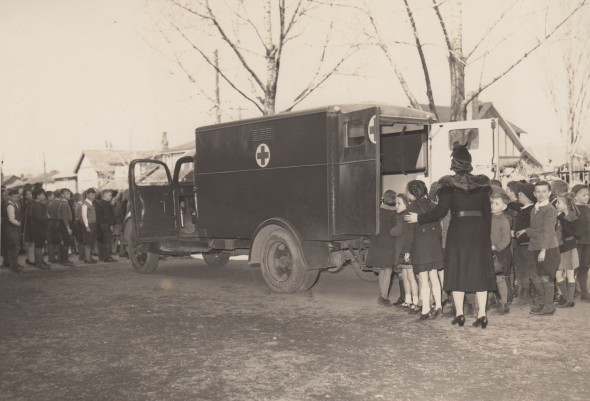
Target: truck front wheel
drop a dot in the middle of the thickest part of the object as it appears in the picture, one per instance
(282, 264)
(141, 259)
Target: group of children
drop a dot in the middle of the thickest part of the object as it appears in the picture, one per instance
(56, 223)
(540, 236)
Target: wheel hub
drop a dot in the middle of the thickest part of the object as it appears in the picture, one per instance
(280, 261)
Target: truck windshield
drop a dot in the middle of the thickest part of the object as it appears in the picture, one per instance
(403, 147)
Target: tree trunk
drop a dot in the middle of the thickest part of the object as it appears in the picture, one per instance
(457, 64)
(270, 90)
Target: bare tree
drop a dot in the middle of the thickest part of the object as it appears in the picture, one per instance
(568, 84)
(255, 37)
(459, 60)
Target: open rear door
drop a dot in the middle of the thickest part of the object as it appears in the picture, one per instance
(152, 200)
(480, 137)
(357, 188)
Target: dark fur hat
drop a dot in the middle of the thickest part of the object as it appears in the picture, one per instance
(461, 153)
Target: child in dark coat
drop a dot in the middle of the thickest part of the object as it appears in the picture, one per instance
(567, 230)
(500, 236)
(524, 262)
(382, 254)
(422, 243)
(581, 197)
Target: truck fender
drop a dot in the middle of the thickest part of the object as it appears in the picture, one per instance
(315, 254)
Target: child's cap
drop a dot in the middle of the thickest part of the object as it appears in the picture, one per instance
(578, 188)
(528, 190)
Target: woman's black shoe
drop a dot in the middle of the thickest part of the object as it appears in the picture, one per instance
(437, 313)
(460, 320)
(424, 316)
(481, 322)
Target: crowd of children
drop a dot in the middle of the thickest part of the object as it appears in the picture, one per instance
(38, 223)
(540, 242)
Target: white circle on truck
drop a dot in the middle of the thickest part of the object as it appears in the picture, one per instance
(371, 130)
(262, 155)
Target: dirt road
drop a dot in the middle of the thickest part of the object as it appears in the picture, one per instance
(189, 332)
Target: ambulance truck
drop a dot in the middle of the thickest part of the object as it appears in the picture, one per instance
(298, 192)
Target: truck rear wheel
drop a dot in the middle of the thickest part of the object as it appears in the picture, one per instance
(282, 264)
(141, 259)
(216, 259)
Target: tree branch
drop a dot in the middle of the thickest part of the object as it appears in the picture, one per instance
(232, 45)
(312, 87)
(212, 64)
(429, 95)
(524, 56)
(442, 25)
(400, 76)
(490, 29)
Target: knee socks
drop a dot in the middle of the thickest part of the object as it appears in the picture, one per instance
(562, 285)
(502, 289)
(402, 290)
(583, 280)
(538, 284)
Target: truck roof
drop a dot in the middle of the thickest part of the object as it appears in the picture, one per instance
(386, 110)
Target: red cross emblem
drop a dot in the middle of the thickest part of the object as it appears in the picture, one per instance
(262, 155)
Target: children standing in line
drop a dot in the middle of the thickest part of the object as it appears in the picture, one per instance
(543, 243)
(581, 197)
(411, 300)
(382, 254)
(500, 236)
(79, 225)
(105, 219)
(423, 243)
(39, 226)
(566, 234)
(524, 262)
(88, 220)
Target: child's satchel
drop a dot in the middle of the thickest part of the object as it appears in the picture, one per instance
(402, 259)
(498, 265)
(500, 259)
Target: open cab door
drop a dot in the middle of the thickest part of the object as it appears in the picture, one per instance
(186, 196)
(152, 200)
(480, 137)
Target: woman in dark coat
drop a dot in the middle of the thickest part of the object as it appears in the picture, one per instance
(468, 256)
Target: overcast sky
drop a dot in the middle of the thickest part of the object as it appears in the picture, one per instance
(75, 73)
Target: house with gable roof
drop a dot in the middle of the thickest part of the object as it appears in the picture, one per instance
(105, 168)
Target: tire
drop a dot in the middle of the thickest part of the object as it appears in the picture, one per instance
(141, 259)
(216, 259)
(282, 265)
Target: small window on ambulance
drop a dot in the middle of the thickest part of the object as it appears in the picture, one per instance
(355, 133)
(467, 137)
(146, 173)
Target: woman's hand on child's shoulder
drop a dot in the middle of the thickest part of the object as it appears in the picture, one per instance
(411, 217)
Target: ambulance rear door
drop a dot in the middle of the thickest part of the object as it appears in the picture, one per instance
(356, 196)
(480, 137)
